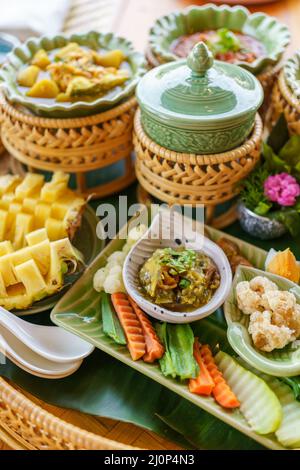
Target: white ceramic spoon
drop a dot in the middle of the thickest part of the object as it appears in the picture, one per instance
(31, 362)
(171, 229)
(51, 342)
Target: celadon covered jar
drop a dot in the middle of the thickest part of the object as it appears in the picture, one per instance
(199, 105)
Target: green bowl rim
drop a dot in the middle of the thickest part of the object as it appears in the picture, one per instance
(168, 21)
(290, 70)
(21, 54)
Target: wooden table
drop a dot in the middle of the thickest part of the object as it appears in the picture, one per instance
(133, 20)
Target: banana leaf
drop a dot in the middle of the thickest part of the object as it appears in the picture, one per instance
(105, 387)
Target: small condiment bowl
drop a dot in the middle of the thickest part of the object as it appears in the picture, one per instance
(188, 233)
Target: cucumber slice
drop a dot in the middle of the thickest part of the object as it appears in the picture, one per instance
(288, 434)
(259, 404)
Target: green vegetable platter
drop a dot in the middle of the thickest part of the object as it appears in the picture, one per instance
(87, 313)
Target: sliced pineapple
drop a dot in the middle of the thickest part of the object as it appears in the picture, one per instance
(37, 236)
(8, 183)
(23, 225)
(3, 223)
(6, 247)
(29, 275)
(55, 229)
(38, 270)
(31, 183)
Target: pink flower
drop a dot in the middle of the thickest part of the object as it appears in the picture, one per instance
(282, 188)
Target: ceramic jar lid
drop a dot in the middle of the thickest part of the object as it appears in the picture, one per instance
(199, 91)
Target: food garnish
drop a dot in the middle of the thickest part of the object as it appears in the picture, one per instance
(154, 348)
(130, 324)
(221, 390)
(73, 72)
(203, 384)
(179, 277)
(284, 263)
(225, 44)
(178, 360)
(274, 314)
(110, 322)
(258, 402)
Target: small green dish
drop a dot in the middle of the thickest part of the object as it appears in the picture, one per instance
(291, 72)
(274, 35)
(280, 362)
(21, 55)
(199, 105)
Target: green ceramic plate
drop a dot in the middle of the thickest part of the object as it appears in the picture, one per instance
(95, 40)
(274, 35)
(292, 73)
(89, 244)
(79, 312)
(280, 362)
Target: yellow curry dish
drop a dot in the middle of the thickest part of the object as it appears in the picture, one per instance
(73, 73)
(179, 278)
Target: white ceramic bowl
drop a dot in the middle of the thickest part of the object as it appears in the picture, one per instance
(190, 239)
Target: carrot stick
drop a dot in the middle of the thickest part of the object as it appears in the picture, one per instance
(154, 348)
(203, 384)
(131, 325)
(221, 391)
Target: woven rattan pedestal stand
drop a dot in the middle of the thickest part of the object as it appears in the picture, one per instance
(284, 102)
(184, 178)
(75, 145)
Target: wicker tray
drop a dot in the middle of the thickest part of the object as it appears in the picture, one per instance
(76, 145)
(184, 178)
(28, 423)
(284, 101)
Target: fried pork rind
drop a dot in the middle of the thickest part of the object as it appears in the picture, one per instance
(262, 284)
(274, 314)
(267, 336)
(281, 302)
(248, 300)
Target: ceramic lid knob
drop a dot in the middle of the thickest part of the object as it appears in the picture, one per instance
(200, 59)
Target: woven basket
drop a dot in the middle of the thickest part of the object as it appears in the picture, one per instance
(283, 101)
(267, 78)
(193, 179)
(28, 423)
(76, 145)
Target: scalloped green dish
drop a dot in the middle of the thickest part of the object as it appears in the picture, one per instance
(280, 362)
(292, 73)
(273, 35)
(49, 108)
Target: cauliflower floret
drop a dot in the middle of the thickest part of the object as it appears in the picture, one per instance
(99, 279)
(248, 300)
(267, 336)
(118, 257)
(135, 234)
(115, 270)
(280, 302)
(113, 284)
(262, 284)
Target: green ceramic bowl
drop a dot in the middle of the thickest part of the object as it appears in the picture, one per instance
(292, 73)
(49, 108)
(274, 35)
(280, 362)
(199, 105)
